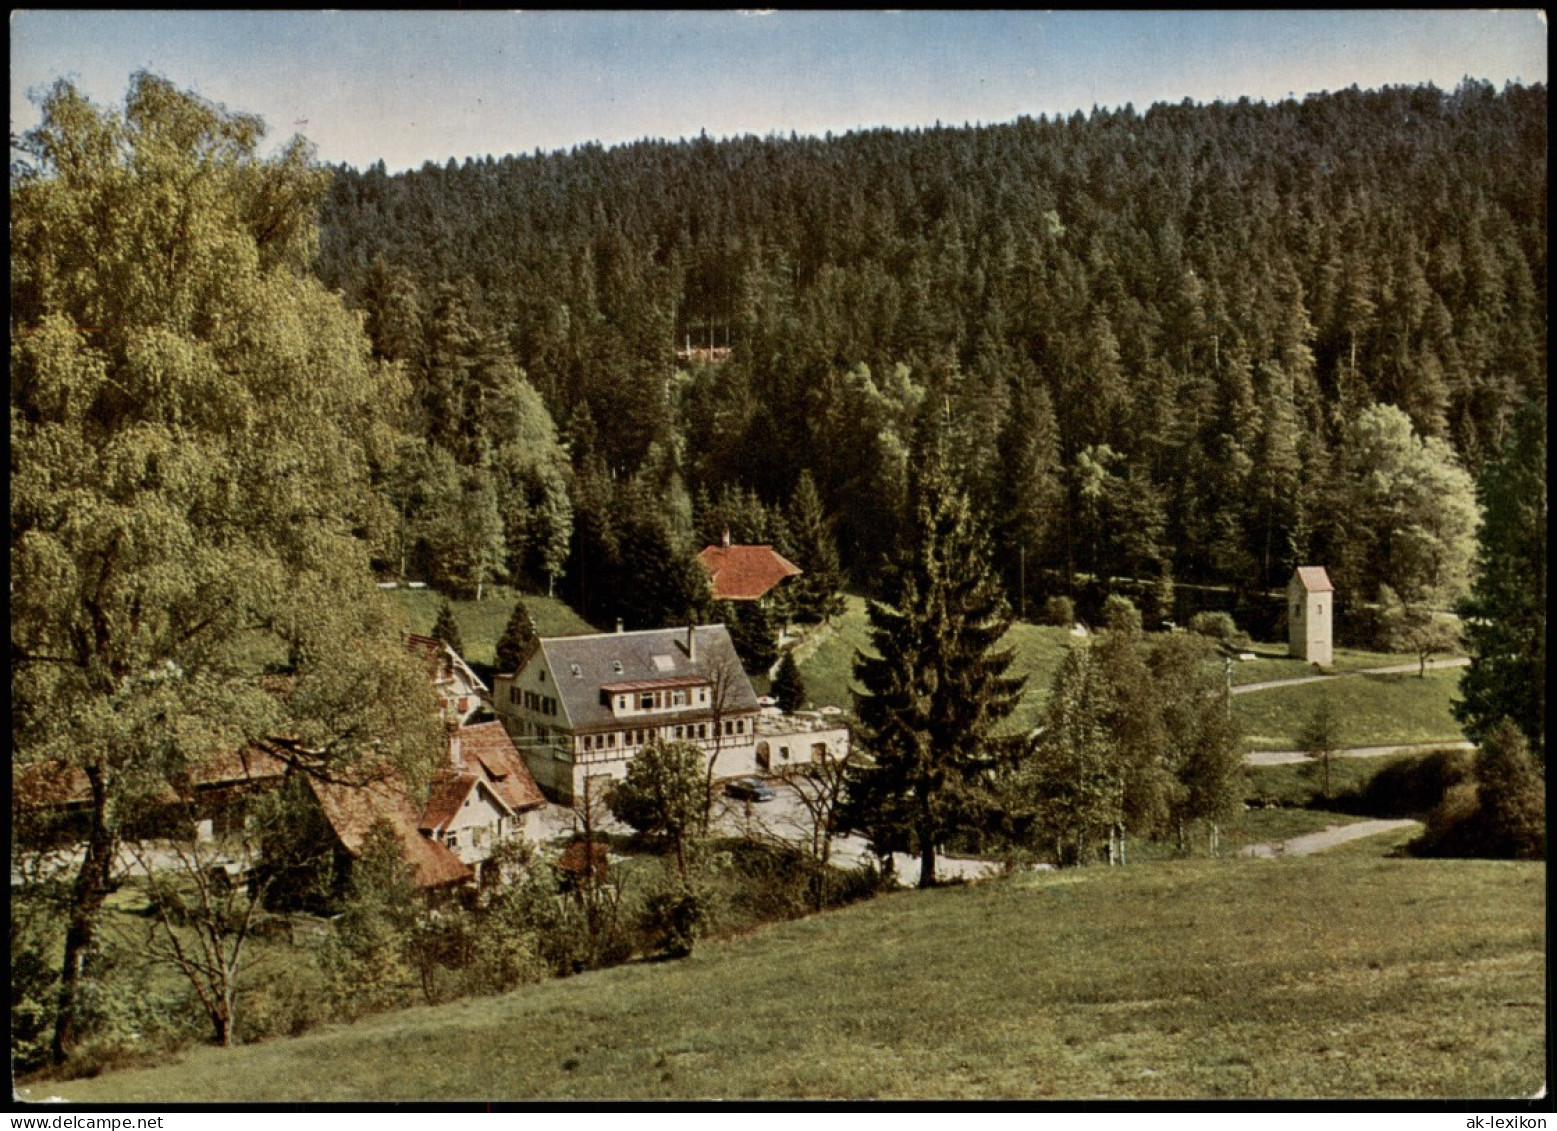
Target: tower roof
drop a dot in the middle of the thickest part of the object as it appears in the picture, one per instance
(1314, 579)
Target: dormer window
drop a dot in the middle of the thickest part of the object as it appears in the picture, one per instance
(616, 666)
(578, 672)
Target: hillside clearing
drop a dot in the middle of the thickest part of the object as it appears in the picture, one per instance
(1347, 976)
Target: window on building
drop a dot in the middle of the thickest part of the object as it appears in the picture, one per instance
(681, 732)
(784, 753)
(1320, 610)
(543, 675)
(702, 730)
(646, 701)
(740, 726)
(680, 699)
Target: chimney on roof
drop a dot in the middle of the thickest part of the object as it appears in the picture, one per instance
(692, 643)
(726, 539)
(618, 626)
(456, 750)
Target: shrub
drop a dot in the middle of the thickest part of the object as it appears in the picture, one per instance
(1059, 611)
(1499, 811)
(1218, 626)
(672, 917)
(1409, 786)
(1121, 615)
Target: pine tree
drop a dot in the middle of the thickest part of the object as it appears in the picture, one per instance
(1070, 775)
(517, 638)
(815, 593)
(1510, 796)
(447, 629)
(789, 686)
(1504, 617)
(936, 687)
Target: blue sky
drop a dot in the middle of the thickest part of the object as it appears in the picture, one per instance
(413, 87)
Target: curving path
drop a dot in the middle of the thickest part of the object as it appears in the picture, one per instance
(1388, 669)
(1310, 843)
(1286, 757)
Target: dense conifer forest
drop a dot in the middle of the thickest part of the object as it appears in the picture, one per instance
(1158, 340)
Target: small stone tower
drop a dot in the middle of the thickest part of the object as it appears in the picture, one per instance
(1310, 607)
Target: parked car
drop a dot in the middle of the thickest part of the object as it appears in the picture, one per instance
(749, 789)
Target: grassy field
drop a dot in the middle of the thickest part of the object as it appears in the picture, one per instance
(482, 622)
(1340, 976)
(1370, 710)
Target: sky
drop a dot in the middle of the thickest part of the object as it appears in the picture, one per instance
(411, 87)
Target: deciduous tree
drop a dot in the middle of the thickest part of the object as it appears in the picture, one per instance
(195, 423)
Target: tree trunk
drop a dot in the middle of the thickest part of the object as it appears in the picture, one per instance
(86, 900)
(926, 863)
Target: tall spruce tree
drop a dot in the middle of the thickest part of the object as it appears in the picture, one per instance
(937, 686)
(1505, 614)
(815, 593)
(517, 638)
(789, 686)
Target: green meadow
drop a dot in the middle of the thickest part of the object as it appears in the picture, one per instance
(1347, 975)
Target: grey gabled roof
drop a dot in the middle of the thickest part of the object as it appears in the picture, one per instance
(653, 654)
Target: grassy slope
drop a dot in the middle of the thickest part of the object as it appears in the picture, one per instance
(1346, 976)
(828, 671)
(482, 622)
(1371, 710)
(1274, 663)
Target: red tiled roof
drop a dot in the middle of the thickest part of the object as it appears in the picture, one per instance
(448, 793)
(53, 783)
(353, 809)
(250, 763)
(488, 750)
(49, 784)
(744, 573)
(1315, 579)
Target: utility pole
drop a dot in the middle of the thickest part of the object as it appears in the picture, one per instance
(1022, 580)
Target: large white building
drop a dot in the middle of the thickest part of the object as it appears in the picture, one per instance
(580, 707)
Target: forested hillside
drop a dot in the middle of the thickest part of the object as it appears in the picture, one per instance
(1157, 339)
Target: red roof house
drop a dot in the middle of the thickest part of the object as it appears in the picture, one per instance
(744, 573)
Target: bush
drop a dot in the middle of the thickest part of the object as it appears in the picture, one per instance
(1121, 615)
(1499, 811)
(1218, 626)
(1059, 611)
(1408, 787)
(671, 920)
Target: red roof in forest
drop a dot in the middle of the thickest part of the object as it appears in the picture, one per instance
(744, 573)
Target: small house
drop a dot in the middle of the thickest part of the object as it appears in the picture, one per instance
(1310, 613)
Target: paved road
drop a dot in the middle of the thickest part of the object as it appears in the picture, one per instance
(1287, 757)
(1310, 843)
(1390, 669)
